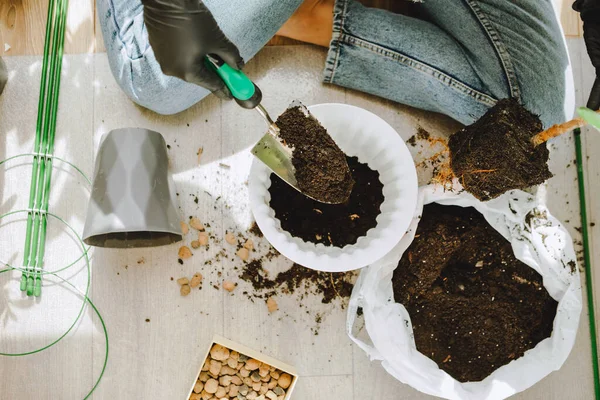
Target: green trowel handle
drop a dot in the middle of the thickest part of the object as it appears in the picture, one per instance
(243, 90)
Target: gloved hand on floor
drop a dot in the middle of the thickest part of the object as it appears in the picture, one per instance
(3, 75)
(182, 33)
(590, 14)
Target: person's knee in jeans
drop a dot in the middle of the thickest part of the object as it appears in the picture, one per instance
(247, 24)
(133, 64)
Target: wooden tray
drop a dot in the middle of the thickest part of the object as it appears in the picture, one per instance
(231, 345)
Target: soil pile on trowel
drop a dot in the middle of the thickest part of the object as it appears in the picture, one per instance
(321, 168)
(330, 224)
(496, 154)
(473, 306)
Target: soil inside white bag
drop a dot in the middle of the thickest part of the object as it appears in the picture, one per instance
(474, 307)
(536, 238)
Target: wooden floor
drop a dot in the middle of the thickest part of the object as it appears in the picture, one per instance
(142, 364)
(157, 337)
(22, 25)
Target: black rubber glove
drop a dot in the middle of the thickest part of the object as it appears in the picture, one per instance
(590, 14)
(182, 33)
(3, 75)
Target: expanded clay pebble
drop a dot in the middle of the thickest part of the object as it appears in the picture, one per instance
(272, 305)
(195, 244)
(284, 381)
(271, 395)
(230, 238)
(215, 367)
(221, 392)
(211, 386)
(227, 374)
(196, 224)
(185, 290)
(229, 286)
(243, 253)
(232, 363)
(184, 252)
(183, 281)
(184, 228)
(219, 353)
(249, 244)
(252, 364)
(203, 238)
(196, 280)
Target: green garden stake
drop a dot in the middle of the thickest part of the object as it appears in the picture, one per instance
(35, 237)
(590, 116)
(37, 289)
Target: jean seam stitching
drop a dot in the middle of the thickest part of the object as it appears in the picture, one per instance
(421, 67)
(118, 27)
(499, 47)
(338, 33)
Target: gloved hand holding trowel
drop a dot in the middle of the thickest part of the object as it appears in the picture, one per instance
(189, 44)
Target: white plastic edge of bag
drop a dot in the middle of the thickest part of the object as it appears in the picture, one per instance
(540, 242)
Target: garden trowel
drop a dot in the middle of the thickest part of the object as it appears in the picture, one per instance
(270, 149)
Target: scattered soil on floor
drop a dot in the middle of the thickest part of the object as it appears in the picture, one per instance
(495, 154)
(474, 307)
(330, 224)
(255, 230)
(321, 169)
(299, 279)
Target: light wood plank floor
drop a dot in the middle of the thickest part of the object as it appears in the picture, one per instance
(158, 359)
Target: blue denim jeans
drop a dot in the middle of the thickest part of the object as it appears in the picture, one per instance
(457, 58)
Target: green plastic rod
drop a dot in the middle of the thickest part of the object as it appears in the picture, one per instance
(34, 174)
(590, 116)
(57, 66)
(38, 225)
(588, 264)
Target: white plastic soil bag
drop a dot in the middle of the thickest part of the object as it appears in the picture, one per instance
(538, 240)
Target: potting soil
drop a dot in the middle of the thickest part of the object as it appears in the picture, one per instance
(321, 169)
(326, 285)
(473, 306)
(330, 224)
(495, 154)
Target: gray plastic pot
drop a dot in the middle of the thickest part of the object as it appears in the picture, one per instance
(3, 75)
(133, 198)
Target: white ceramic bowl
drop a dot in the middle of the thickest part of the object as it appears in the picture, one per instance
(362, 134)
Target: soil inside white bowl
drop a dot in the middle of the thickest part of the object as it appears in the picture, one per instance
(330, 224)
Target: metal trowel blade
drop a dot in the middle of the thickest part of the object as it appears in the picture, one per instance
(276, 155)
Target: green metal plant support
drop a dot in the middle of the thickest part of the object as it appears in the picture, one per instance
(587, 263)
(39, 193)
